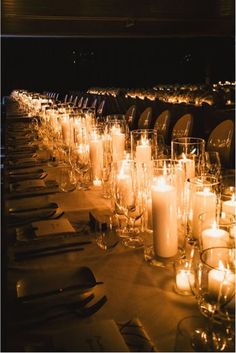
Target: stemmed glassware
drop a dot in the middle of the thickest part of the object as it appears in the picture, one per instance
(213, 163)
(129, 200)
(80, 162)
(215, 293)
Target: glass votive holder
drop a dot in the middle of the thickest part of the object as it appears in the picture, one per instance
(184, 277)
(117, 130)
(203, 195)
(216, 230)
(189, 151)
(143, 145)
(161, 233)
(96, 154)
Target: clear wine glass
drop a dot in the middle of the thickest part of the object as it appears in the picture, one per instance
(215, 293)
(213, 163)
(129, 201)
(80, 161)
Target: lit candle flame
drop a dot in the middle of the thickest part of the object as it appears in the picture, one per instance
(206, 191)
(144, 141)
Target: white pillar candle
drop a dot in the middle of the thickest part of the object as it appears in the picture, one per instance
(221, 283)
(65, 125)
(143, 151)
(202, 201)
(188, 166)
(164, 216)
(184, 280)
(214, 237)
(230, 206)
(125, 189)
(96, 156)
(118, 143)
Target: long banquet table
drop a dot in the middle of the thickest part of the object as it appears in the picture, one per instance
(133, 288)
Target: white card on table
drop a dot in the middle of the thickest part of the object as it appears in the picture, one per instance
(100, 336)
(51, 227)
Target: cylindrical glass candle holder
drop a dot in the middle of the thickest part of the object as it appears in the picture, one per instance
(184, 277)
(216, 276)
(216, 230)
(203, 195)
(143, 145)
(228, 194)
(161, 216)
(189, 151)
(117, 131)
(96, 154)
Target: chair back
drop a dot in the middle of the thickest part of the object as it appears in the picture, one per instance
(221, 140)
(145, 119)
(130, 116)
(183, 127)
(162, 123)
(101, 107)
(71, 98)
(85, 102)
(66, 96)
(94, 104)
(75, 101)
(80, 102)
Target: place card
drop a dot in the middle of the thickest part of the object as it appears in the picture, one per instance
(100, 336)
(50, 227)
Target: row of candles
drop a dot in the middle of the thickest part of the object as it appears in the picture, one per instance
(172, 193)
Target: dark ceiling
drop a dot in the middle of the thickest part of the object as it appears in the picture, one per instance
(117, 18)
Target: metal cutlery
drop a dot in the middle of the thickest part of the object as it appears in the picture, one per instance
(49, 248)
(47, 253)
(58, 291)
(50, 205)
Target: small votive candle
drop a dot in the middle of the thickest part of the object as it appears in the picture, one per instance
(97, 182)
(184, 277)
(230, 205)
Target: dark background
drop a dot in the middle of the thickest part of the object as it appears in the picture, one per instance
(73, 63)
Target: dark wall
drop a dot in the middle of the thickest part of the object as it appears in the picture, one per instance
(62, 64)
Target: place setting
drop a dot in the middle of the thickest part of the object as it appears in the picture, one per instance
(34, 187)
(46, 298)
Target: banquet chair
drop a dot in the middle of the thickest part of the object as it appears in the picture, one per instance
(85, 102)
(101, 108)
(80, 102)
(130, 117)
(183, 127)
(94, 104)
(145, 119)
(162, 123)
(70, 99)
(221, 140)
(66, 97)
(75, 101)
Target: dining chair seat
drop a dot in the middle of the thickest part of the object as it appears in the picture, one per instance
(221, 140)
